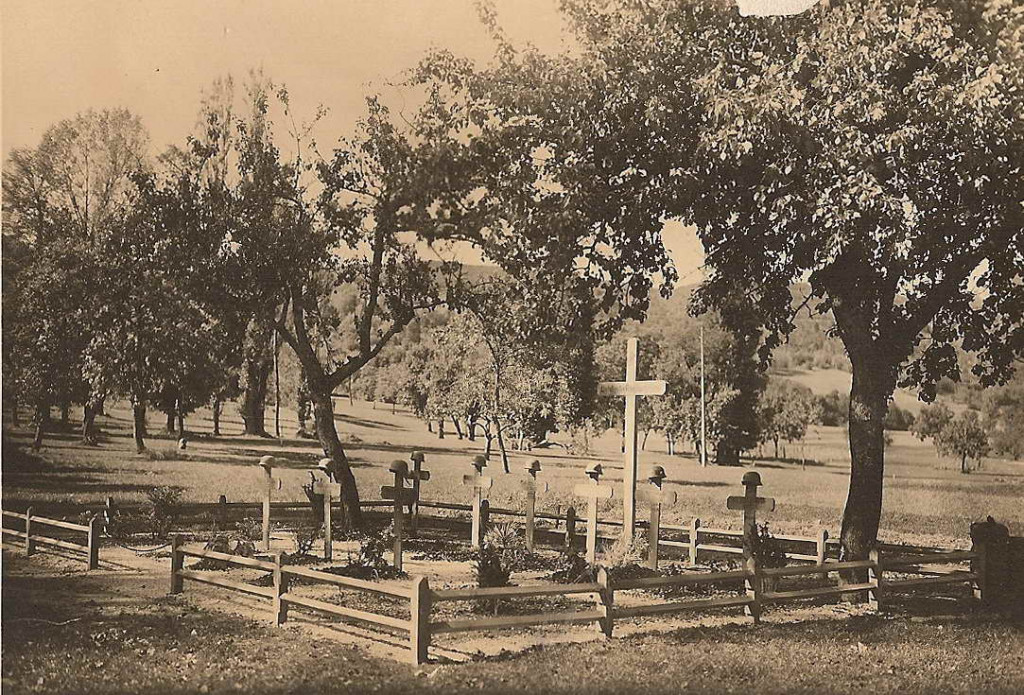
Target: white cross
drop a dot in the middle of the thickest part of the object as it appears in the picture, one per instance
(631, 389)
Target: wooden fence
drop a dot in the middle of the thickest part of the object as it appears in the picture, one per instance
(32, 536)
(755, 587)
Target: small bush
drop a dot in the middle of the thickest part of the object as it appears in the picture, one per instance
(249, 528)
(766, 548)
(164, 509)
(572, 568)
(373, 546)
(490, 572)
(626, 553)
(305, 537)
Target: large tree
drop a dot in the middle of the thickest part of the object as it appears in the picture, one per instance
(870, 148)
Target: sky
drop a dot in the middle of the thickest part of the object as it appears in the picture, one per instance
(154, 57)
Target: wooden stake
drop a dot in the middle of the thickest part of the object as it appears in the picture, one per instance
(419, 633)
(177, 563)
(402, 496)
(269, 482)
(479, 484)
(329, 490)
(30, 545)
(593, 492)
(694, 542)
(655, 498)
(606, 598)
(875, 580)
(750, 503)
(753, 587)
(418, 476)
(280, 589)
(95, 528)
(529, 486)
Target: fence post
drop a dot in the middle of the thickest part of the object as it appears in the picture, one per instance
(280, 589)
(822, 540)
(29, 545)
(222, 512)
(753, 586)
(177, 562)
(606, 597)
(570, 528)
(694, 532)
(95, 526)
(875, 580)
(108, 512)
(419, 633)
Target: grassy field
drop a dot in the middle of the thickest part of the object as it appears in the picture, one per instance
(927, 499)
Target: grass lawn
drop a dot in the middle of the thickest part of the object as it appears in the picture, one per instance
(927, 500)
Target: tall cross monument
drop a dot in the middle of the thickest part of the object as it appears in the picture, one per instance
(631, 389)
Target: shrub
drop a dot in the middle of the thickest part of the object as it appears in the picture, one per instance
(305, 537)
(572, 568)
(490, 572)
(249, 528)
(626, 553)
(766, 548)
(373, 546)
(164, 508)
(508, 540)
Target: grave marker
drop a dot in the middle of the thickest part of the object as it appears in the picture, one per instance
(655, 498)
(270, 483)
(631, 389)
(593, 492)
(418, 475)
(530, 486)
(479, 484)
(751, 504)
(330, 491)
(402, 496)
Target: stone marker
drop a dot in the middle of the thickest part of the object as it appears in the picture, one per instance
(655, 498)
(751, 504)
(530, 486)
(592, 492)
(270, 483)
(631, 389)
(479, 484)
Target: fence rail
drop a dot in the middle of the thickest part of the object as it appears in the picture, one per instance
(419, 628)
(91, 547)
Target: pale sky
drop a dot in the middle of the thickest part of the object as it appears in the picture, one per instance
(154, 57)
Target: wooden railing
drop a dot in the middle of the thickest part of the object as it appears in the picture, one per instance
(417, 593)
(32, 536)
(421, 629)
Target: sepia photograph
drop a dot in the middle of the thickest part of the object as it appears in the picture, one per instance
(512, 346)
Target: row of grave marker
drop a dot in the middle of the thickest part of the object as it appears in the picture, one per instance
(479, 484)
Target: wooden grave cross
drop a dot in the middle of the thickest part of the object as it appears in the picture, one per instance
(631, 389)
(402, 496)
(270, 483)
(656, 498)
(530, 487)
(479, 484)
(330, 491)
(418, 475)
(751, 504)
(593, 492)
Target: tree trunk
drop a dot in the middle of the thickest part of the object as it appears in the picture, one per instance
(869, 397)
(340, 470)
(15, 416)
(139, 422)
(776, 442)
(430, 425)
(65, 412)
(471, 429)
(501, 444)
(89, 423)
(458, 427)
(727, 454)
(257, 365)
(440, 428)
(643, 444)
(170, 421)
(181, 423)
(42, 417)
(216, 417)
(963, 464)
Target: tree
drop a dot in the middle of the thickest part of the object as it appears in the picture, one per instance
(964, 437)
(784, 411)
(1004, 413)
(931, 421)
(870, 148)
(60, 200)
